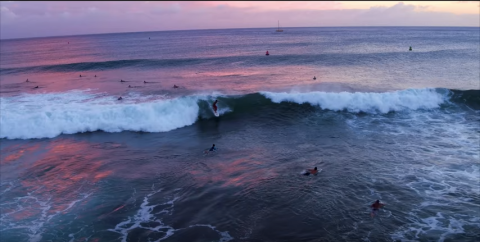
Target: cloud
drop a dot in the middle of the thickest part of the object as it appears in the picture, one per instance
(32, 19)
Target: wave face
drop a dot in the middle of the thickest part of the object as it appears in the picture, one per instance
(31, 116)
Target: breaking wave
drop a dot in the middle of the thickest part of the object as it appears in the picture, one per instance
(29, 116)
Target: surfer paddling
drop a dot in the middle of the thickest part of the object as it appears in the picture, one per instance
(211, 149)
(375, 207)
(313, 171)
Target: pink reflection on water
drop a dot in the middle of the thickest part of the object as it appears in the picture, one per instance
(62, 179)
(17, 152)
(242, 172)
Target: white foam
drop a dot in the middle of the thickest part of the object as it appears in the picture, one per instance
(48, 115)
(410, 99)
(145, 214)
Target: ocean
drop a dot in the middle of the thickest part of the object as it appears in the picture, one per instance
(379, 122)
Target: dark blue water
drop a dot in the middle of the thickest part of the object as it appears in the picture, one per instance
(379, 121)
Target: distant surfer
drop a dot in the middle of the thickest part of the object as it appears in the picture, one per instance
(120, 98)
(145, 82)
(26, 80)
(313, 171)
(95, 75)
(211, 149)
(215, 106)
(80, 75)
(122, 81)
(314, 78)
(410, 48)
(129, 86)
(35, 87)
(267, 53)
(175, 86)
(375, 207)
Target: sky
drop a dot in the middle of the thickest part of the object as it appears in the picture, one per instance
(39, 19)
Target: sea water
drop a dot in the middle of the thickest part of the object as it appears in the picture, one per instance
(382, 122)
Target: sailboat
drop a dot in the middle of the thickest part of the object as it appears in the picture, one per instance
(279, 30)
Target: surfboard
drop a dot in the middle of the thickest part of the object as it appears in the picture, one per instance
(215, 113)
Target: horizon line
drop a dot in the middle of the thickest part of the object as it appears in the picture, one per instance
(132, 32)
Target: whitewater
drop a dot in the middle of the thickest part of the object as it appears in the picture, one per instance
(30, 116)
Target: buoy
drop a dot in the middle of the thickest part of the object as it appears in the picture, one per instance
(267, 53)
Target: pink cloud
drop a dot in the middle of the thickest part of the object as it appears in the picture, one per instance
(28, 19)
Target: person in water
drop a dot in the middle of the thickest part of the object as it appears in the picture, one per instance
(314, 78)
(122, 81)
(267, 53)
(215, 106)
(313, 171)
(120, 98)
(36, 87)
(129, 86)
(95, 75)
(211, 149)
(26, 80)
(375, 207)
(144, 82)
(80, 75)
(175, 86)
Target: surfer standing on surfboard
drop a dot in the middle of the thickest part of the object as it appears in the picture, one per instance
(215, 106)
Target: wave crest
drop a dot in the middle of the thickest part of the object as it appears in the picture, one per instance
(369, 102)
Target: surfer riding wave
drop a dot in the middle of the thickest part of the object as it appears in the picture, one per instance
(215, 106)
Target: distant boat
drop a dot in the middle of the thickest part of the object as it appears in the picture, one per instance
(279, 30)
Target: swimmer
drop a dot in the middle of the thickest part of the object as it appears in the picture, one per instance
(120, 98)
(175, 86)
(314, 78)
(129, 86)
(95, 75)
(215, 106)
(35, 87)
(26, 80)
(313, 171)
(375, 207)
(145, 82)
(80, 75)
(122, 81)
